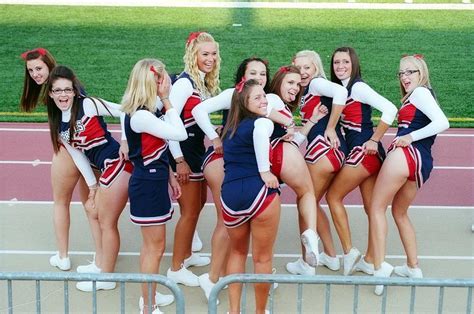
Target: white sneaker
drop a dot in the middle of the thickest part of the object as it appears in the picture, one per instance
(384, 271)
(310, 239)
(407, 271)
(196, 260)
(364, 267)
(163, 299)
(183, 276)
(206, 284)
(61, 263)
(86, 286)
(349, 261)
(141, 306)
(330, 262)
(197, 243)
(300, 267)
(89, 268)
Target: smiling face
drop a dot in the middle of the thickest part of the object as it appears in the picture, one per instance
(206, 56)
(62, 92)
(342, 65)
(258, 71)
(38, 70)
(257, 100)
(290, 87)
(307, 69)
(409, 76)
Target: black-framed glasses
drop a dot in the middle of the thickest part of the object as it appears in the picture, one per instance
(59, 91)
(406, 72)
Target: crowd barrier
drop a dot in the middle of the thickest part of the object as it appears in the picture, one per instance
(299, 281)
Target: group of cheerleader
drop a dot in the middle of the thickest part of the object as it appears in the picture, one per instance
(256, 149)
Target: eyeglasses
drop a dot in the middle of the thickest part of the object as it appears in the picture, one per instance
(67, 90)
(407, 73)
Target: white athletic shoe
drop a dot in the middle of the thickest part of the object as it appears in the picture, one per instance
(330, 262)
(407, 271)
(206, 285)
(300, 267)
(183, 276)
(61, 263)
(196, 260)
(197, 243)
(89, 268)
(349, 261)
(86, 286)
(364, 267)
(310, 239)
(160, 299)
(384, 271)
(141, 306)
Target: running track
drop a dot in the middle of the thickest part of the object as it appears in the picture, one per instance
(26, 152)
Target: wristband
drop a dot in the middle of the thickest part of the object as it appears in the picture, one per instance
(312, 121)
(163, 98)
(179, 161)
(290, 125)
(373, 140)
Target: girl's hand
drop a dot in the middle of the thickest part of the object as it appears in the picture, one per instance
(290, 134)
(183, 171)
(269, 179)
(175, 187)
(370, 147)
(90, 203)
(403, 141)
(164, 86)
(331, 136)
(217, 144)
(123, 151)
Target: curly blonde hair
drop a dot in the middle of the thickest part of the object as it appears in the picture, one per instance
(142, 89)
(210, 86)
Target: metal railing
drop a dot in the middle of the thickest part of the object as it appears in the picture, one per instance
(355, 281)
(120, 278)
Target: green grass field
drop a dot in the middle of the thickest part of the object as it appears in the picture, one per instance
(103, 43)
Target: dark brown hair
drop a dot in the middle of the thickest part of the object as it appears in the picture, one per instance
(355, 73)
(277, 81)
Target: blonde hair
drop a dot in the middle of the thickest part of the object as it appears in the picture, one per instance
(210, 86)
(142, 89)
(420, 65)
(315, 59)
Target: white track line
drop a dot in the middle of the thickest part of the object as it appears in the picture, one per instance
(252, 5)
(118, 131)
(35, 163)
(439, 207)
(279, 255)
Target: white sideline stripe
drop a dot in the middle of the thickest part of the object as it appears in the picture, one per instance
(37, 162)
(274, 5)
(279, 255)
(16, 202)
(118, 131)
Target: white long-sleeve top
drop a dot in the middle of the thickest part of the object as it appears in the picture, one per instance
(365, 94)
(424, 101)
(322, 87)
(82, 164)
(263, 129)
(171, 127)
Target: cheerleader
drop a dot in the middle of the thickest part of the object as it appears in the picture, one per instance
(250, 195)
(39, 62)
(147, 131)
(365, 150)
(77, 122)
(199, 81)
(213, 165)
(407, 167)
(325, 151)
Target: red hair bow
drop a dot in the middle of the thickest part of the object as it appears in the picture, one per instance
(284, 69)
(152, 69)
(41, 51)
(240, 86)
(192, 37)
(416, 55)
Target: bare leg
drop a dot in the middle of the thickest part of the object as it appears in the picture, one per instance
(154, 242)
(111, 202)
(214, 174)
(345, 181)
(366, 189)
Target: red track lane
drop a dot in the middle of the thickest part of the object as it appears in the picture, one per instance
(446, 187)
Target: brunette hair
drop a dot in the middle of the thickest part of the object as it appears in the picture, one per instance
(277, 81)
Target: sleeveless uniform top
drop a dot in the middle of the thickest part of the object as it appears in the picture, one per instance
(92, 138)
(148, 153)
